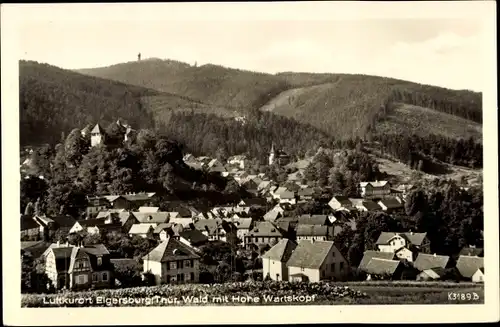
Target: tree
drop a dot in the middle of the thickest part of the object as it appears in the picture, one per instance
(416, 201)
(74, 147)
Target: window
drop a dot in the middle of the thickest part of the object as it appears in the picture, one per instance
(333, 254)
(341, 266)
(99, 261)
(188, 276)
(81, 279)
(94, 277)
(173, 265)
(104, 277)
(192, 275)
(333, 266)
(168, 279)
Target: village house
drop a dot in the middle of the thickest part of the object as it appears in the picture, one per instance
(274, 213)
(316, 261)
(274, 261)
(142, 229)
(392, 242)
(95, 205)
(141, 199)
(472, 251)
(215, 229)
(431, 274)
(340, 203)
(278, 157)
(95, 226)
(467, 266)
(243, 226)
(74, 267)
(306, 194)
(192, 237)
(478, 276)
(428, 261)
(239, 161)
(321, 220)
(152, 217)
(215, 166)
(364, 205)
(384, 269)
(264, 232)
(390, 205)
(370, 254)
(313, 232)
(375, 189)
(162, 231)
(172, 262)
(34, 248)
(287, 197)
(50, 225)
(30, 229)
(119, 202)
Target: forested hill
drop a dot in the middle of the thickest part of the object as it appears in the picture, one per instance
(53, 101)
(343, 105)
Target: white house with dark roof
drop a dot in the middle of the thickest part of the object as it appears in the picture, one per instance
(142, 229)
(274, 261)
(375, 189)
(315, 261)
(392, 242)
(172, 262)
(340, 203)
(390, 204)
(478, 276)
(313, 232)
(264, 232)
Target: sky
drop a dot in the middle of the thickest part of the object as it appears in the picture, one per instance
(443, 50)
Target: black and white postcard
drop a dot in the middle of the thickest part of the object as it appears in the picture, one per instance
(210, 163)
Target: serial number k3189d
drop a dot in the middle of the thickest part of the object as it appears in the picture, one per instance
(463, 296)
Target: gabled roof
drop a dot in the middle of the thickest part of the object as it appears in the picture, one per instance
(265, 228)
(151, 217)
(240, 223)
(391, 203)
(472, 251)
(428, 261)
(306, 192)
(35, 248)
(434, 273)
(97, 129)
(468, 265)
(181, 221)
(312, 230)
(171, 250)
(161, 227)
(412, 238)
(368, 255)
(272, 215)
(281, 251)
(64, 220)
(112, 198)
(370, 205)
(310, 254)
(286, 195)
(313, 219)
(374, 184)
(91, 222)
(27, 222)
(194, 236)
(211, 226)
(138, 196)
(149, 209)
(141, 228)
(378, 266)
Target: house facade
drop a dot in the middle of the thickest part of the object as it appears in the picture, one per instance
(316, 261)
(73, 267)
(375, 189)
(274, 261)
(264, 233)
(172, 262)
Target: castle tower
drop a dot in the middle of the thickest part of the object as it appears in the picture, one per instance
(272, 155)
(96, 135)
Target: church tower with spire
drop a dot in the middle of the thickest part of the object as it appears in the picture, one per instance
(272, 155)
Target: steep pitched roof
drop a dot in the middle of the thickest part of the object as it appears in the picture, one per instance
(370, 205)
(240, 223)
(272, 215)
(310, 254)
(97, 129)
(64, 220)
(391, 203)
(162, 227)
(35, 248)
(368, 255)
(281, 251)
(313, 219)
(171, 250)
(412, 238)
(149, 209)
(138, 196)
(379, 266)
(343, 200)
(468, 265)
(27, 222)
(428, 261)
(312, 230)
(266, 228)
(434, 273)
(141, 228)
(286, 195)
(193, 235)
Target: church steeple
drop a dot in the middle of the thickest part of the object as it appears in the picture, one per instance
(272, 155)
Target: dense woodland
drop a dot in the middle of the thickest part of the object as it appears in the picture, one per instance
(75, 170)
(451, 217)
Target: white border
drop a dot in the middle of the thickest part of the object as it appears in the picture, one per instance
(14, 315)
